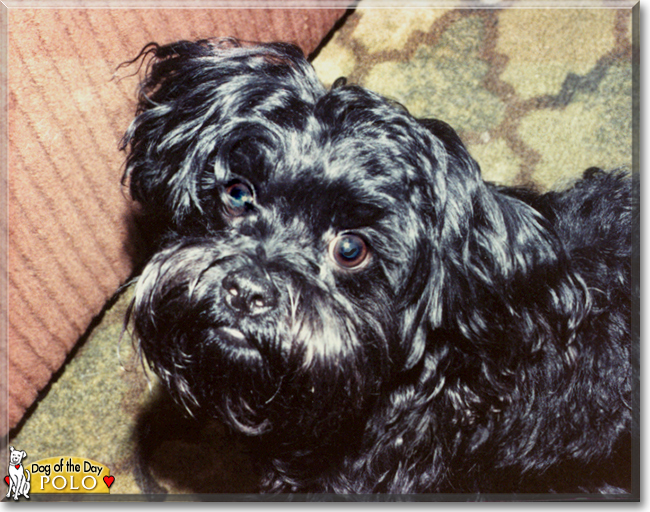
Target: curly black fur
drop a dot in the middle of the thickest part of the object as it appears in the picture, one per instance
(482, 344)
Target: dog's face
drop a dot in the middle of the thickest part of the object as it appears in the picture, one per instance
(15, 456)
(300, 268)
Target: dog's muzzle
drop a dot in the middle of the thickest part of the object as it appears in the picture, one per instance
(249, 292)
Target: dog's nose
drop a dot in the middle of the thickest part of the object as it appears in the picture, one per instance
(251, 293)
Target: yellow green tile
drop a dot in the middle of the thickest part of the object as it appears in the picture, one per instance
(334, 61)
(438, 80)
(388, 29)
(544, 45)
(595, 129)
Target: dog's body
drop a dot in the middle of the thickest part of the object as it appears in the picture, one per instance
(18, 475)
(334, 280)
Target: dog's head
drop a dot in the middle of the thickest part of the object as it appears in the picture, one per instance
(309, 236)
(15, 456)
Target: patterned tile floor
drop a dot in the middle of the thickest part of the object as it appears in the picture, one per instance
(538, 95)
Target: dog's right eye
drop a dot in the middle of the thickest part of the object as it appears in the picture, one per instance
(349, 251)
(239, 198)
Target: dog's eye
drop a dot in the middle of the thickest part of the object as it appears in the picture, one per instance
(349, 251)
(239, 197)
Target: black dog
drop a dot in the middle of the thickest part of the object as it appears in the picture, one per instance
(334, 279)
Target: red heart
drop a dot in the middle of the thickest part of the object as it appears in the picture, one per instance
(8, 480)
(108, 480)
(17, 466)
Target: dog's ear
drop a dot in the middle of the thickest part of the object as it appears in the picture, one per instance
(23, 454)
(196, 102)
(491, 252)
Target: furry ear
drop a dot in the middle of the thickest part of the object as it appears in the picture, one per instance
(193, 104)
(495, 258)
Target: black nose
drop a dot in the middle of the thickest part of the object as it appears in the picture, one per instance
(249, 292)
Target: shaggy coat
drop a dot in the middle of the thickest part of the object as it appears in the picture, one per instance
(334, 280)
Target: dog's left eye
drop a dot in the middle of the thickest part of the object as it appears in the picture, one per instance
(239, 197)
(349, 251)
